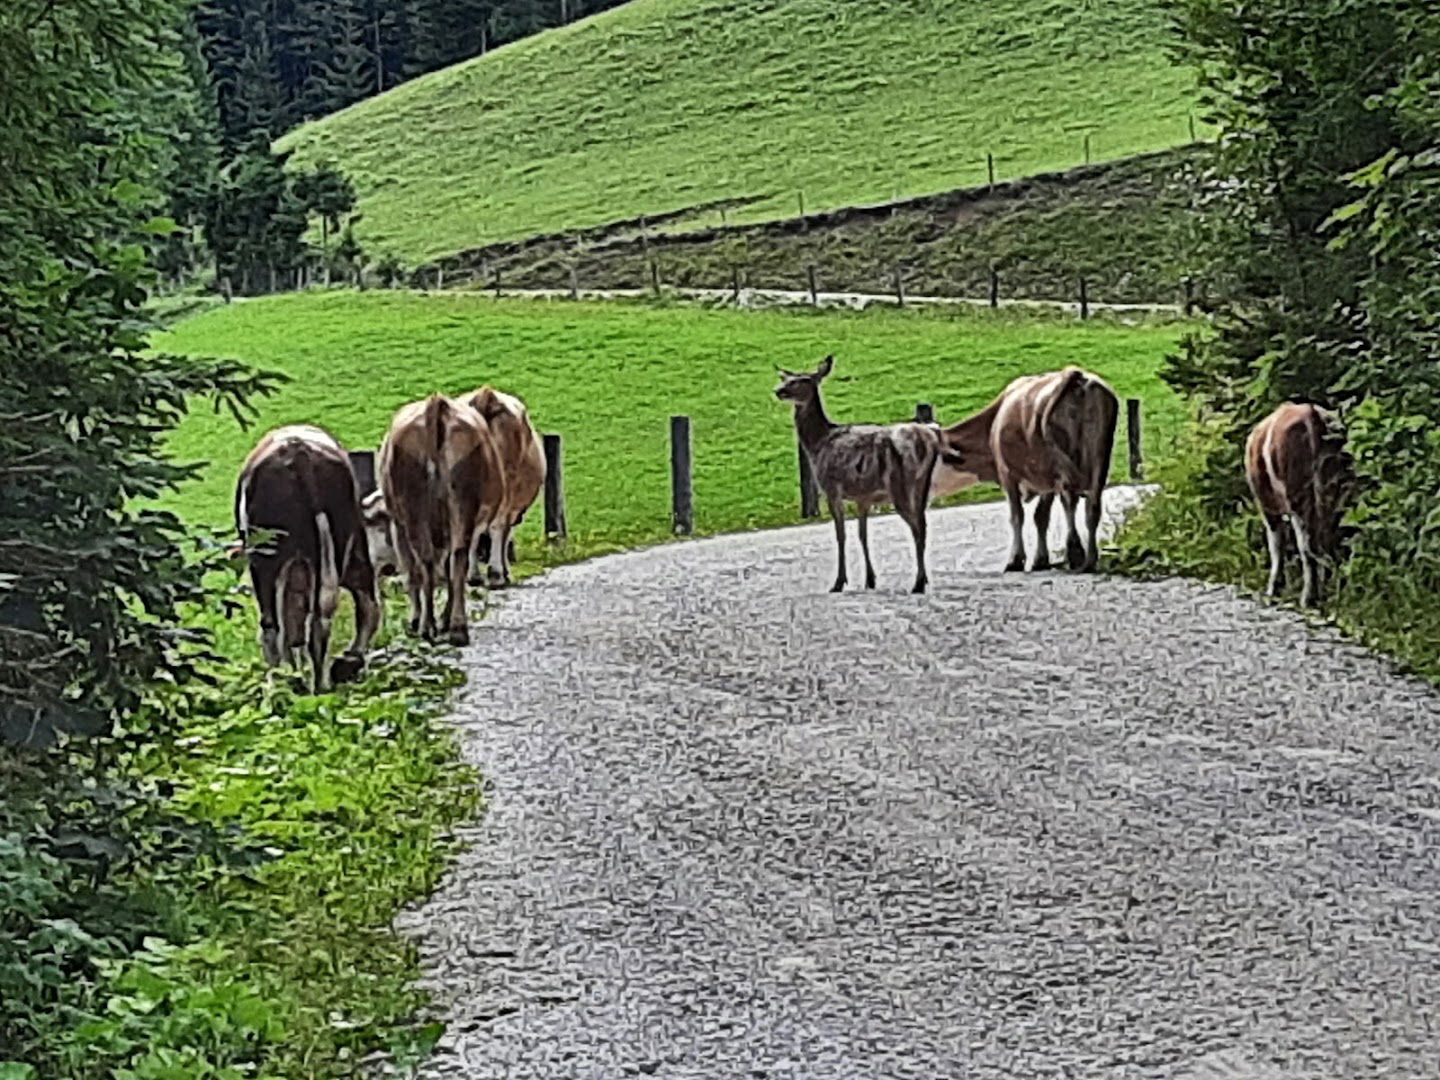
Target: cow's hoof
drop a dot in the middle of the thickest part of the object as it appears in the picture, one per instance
(1015, 565)
(1075, 558)
(919, 586)
(869, 581)
(477, 581)
(839, 586)
(347, 668)
(458, 635)
(1041, 564)
(413, 626)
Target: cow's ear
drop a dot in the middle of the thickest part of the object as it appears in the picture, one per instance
(825, 367)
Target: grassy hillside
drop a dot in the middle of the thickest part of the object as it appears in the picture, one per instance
(608, 376)
(664, 105)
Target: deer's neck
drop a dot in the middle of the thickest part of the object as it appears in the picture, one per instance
(971, 437)
(811, 423)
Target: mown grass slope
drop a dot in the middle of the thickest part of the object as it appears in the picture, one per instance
(607, 377)
(662, 105)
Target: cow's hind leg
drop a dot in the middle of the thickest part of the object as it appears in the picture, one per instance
(1309, 561)
(1017, 528)
(1074, 548)
(837, 513)
(1094, 506)
(1275, 542)
(1043, 506)
(266, 579)
(863, 527)
(457, 629)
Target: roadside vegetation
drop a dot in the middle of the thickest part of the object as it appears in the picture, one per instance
(607, 377)
(663, 106)
(198, 863)
(1320, 211)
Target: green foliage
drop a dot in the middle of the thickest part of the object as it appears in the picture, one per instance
(662, 105)
(238, 926)
(1325, 199)
(717, 366)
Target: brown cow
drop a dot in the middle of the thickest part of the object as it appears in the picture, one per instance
(522, 456)
(1297, 467)
(1044, 435)
(297, 485)
(441, 484)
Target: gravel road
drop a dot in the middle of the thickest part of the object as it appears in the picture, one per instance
(1023, 826)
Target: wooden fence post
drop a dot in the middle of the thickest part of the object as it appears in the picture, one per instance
(924, 413)
(655, 276)
(682, 492)
(440, 277)
(497, 283)
(990, 165)
(1132, 436)
(554, 490)
(1087, 148)
(814, 292)
(809, 493)
(1189, 295)
(574, 283)
(1084, 301)
(1192, 127)
(735, 283)
(803, 223)
(899, 287)
(994, 287)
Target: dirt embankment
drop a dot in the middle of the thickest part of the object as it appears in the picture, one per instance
(1119, 225)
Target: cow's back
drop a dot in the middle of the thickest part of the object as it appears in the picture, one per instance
(1287, 452)
(1055, 431)
(517, 445)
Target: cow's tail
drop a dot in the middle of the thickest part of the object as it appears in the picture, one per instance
(1068, 395)
(327, 569)
(435, 424)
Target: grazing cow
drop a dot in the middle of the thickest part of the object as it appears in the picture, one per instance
(297, 484)
(865, 463)
(441, 483)
(522, 456)
(1297, 467)
(1044, 435)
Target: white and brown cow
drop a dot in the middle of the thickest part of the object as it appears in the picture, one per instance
(297, 488)
(1297, 467)
(441, 485)
(522, 456)
(1044, 435)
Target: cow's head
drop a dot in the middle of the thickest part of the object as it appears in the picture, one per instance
(380, 535)
(803, 388)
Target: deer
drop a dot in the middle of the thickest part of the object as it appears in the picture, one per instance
(867, 464)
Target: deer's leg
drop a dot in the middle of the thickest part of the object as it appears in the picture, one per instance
(1043, 506)
(1017, 528)
(1275, 541)
(837, 513)
(864, 528)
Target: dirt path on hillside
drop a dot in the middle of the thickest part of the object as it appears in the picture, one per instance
(751, 298)
(1024, 826)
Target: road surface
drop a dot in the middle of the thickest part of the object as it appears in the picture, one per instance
(1023, 826)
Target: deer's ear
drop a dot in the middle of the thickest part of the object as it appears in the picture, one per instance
(784, 374)
(825, 367)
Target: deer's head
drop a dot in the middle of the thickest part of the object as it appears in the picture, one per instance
(803, 388)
